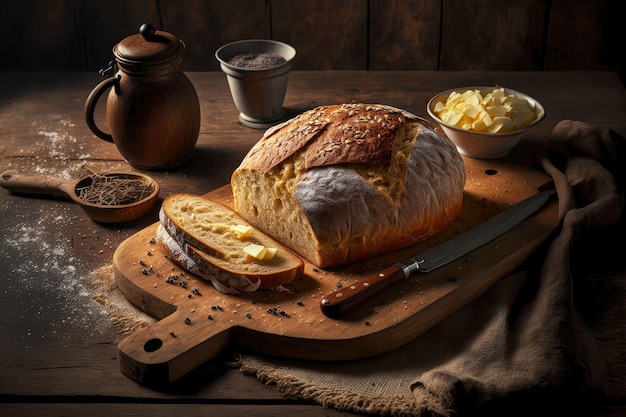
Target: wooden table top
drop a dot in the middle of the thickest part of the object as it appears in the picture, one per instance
(58, 349)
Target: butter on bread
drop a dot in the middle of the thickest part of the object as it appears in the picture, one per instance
(224, 282)
(210, 240)
(342, 183)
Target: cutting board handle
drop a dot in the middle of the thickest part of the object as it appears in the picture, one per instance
(172, 347)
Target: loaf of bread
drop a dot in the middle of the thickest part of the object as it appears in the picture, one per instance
(210, 240)
(342, 183)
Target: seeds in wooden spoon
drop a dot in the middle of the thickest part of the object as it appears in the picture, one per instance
(112, 190)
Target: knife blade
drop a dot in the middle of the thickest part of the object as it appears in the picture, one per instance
(344, 300)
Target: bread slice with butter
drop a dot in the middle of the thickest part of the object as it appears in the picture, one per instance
(212, 241)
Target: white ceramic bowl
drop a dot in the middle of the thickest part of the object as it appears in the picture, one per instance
(483, 145)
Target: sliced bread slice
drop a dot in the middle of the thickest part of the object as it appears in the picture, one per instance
(224, 282)
(214, 236)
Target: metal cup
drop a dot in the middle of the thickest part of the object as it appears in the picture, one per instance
(258, 94)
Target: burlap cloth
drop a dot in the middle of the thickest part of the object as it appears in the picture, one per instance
(521, 347)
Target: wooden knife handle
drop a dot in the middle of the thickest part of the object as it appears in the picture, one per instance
(347, 299)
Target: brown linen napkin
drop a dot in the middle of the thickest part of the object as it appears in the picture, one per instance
(522, 344)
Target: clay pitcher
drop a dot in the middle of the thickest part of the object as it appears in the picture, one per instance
(152, 108)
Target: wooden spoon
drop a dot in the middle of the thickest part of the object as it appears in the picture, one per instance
(101, 213)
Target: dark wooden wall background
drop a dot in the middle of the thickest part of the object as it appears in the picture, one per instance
(75, 35)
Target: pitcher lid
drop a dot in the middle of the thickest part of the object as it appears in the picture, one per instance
(148, 47)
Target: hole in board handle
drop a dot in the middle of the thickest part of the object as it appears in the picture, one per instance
(153, 345)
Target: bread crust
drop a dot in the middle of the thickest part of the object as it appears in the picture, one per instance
(335, 196)
(338, 134)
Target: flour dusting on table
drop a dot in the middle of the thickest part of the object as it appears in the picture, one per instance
(53, 278)
(52, 139)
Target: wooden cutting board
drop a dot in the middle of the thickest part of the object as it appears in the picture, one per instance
(196, 322)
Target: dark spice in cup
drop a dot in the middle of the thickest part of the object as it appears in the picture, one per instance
(256, 61)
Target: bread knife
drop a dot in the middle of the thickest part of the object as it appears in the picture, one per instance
(344, 300)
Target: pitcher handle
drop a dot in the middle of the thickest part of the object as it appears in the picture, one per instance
(92, 100)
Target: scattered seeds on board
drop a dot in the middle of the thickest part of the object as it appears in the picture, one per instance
(277, 311)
